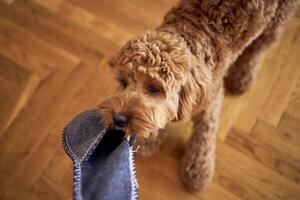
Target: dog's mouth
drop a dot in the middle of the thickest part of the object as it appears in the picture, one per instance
(119, 129)
(121, 133)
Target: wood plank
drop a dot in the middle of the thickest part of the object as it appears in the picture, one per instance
(28, 51)
(260, 95)
(157, 9)
(168, 168)
(17, 86)
(38, 131)
(12, 71)
(58, 166)
(39, 160)
(249, 179)
(278, 100)
(144, 194)
(164, 188)
(24, 123)
(17, 101)
(6, 89)
(45, 188)
(99, 85)
(95, 41)
(52, 29)
(265, 154)
(7, 1)
(114, 15)
(229, 114)
(12, 194)
(67, 181)
(290, 124)
(87, 20)
(288, 143)
(86, 97)
(132, 10)
(294, 102)
(43, 94)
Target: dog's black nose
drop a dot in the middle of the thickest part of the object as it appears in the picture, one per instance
(120, 120)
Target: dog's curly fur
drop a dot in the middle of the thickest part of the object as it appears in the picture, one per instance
(179, 70)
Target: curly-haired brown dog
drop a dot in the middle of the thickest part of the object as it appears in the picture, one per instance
(177, 72)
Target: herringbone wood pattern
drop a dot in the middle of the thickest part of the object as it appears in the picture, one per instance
(53, 65)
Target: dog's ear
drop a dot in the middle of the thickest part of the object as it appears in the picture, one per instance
(194, 93)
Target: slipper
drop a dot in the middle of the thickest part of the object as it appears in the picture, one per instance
(103, 161)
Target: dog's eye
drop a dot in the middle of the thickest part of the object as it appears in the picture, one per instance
(154, 89)
(123, 83)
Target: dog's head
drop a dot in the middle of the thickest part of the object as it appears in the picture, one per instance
(159, 82)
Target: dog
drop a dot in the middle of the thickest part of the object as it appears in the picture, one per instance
(179, 72)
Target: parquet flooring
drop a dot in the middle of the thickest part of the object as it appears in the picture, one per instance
(53, 65)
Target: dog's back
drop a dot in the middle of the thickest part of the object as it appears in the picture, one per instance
(231, 24)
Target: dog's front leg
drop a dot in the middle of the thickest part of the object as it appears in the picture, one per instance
(197, 167)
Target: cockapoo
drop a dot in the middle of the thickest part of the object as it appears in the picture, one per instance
(179, 70)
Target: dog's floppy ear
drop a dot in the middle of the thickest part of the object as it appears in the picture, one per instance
(194, 93)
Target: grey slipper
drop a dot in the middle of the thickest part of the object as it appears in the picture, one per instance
(103, 160)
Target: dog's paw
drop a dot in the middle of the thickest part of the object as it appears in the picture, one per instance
(148, 147)
(196, 174)
(146, 150)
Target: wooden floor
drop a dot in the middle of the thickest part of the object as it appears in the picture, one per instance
(53, 57)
